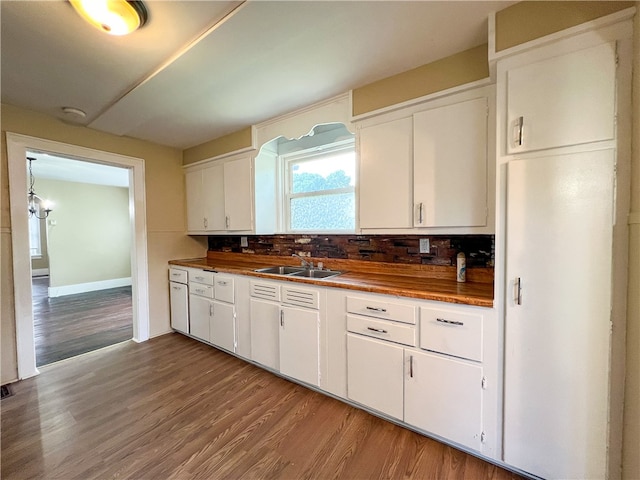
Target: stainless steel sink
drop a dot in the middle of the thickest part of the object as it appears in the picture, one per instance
(281, 270)
(316, 273)
(299, 272)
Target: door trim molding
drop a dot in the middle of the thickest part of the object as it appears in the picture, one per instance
(17, 146)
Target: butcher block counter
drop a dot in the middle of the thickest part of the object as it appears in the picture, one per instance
(427, 282)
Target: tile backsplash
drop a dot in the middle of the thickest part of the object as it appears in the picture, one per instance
(479, 249)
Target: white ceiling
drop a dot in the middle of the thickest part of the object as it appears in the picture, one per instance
(201, 69)
(53, 167)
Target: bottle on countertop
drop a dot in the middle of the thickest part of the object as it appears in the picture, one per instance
(461, 267)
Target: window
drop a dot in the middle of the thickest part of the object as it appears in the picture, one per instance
(34, 237)
(320, 188)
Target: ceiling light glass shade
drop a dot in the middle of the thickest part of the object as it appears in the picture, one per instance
(115, 17)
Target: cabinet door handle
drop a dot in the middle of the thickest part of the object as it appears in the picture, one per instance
(449, 322)
(206, 222)
(211, 309)
(227, 221)
(518, 291)
(411, 366)
(519, 127)
(420, 210)
(377, 330)
(282, 318)
(376, 309)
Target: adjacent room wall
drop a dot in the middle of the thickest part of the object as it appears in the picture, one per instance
(89, 233)
(165, 203)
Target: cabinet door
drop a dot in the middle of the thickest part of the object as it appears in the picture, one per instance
(238, 198)
(213, 197)
(199, 317)
(265, 333)
(222, 326)
(450, 165)
(386, 156)
(375, 374)
(443, 396)
(195, 201)
(564, 100)
(300, 344)
(558, 323)
(179, 298)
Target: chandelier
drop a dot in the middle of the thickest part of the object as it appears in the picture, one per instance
(36, 204)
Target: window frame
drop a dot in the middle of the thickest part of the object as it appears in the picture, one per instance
(35, 247)
(286, 162)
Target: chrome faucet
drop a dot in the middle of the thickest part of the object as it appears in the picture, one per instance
(305, 263)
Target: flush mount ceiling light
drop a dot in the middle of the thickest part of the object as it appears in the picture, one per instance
(115, 17)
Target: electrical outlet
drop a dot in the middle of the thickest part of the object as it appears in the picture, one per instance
(244, 242)
(424, 245)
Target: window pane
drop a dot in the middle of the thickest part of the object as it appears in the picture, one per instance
(34, 236)
(324, 173)
(325, 212)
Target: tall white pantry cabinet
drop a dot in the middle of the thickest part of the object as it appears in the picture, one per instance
(563, 154)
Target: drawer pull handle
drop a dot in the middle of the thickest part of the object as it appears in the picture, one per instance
(176, 288)
(224, 284)
(378, 330)
(449, 322)
(374, 309)
(175, 275)
(200, 278)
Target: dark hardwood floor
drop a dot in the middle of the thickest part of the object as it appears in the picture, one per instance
(74, 324)
(174, 408)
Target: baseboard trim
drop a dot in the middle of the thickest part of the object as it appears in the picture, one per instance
(88, 287)
(39, 272)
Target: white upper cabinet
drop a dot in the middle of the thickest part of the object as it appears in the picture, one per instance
(238, 194)
(386, 158)
(450, 165)
(426, 166)
(564, 100)
(220, 196)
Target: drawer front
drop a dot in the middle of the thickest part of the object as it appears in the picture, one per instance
(200, 276)
(201, 290)
(176, 275)
(382, 309)
(300, 297)
(268, 291)
(383, 330)
(223, 288)
(452, 332)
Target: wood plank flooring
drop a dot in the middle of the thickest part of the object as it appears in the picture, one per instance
(74, 324)
(174, 408)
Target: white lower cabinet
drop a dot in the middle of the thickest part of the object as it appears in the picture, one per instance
(179, 298)
(265, 332)
(299, 344)
(375, 374)
(199, 316)
(444, 396)
(221, 326)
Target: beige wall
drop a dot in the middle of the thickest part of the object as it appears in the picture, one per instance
(91, 238)
(229, 143)
(165, 218)
(631, 448)
(527, 21)
(458, 69)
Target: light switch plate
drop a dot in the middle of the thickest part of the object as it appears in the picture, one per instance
(424, 245)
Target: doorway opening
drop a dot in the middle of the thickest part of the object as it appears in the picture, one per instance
(17, 148)
(80, 257)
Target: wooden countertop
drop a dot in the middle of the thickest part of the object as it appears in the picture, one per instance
(413, 281)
